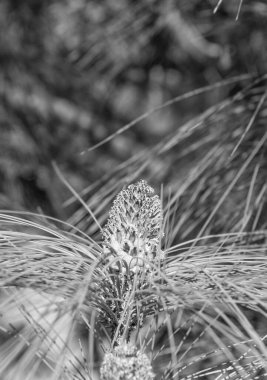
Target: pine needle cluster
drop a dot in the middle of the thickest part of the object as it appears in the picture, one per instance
(167, 282)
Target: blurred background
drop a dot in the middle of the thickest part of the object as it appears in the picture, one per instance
(74, 72)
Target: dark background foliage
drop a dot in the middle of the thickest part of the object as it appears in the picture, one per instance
(73, 72)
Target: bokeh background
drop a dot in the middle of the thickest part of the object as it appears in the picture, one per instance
(74, 72)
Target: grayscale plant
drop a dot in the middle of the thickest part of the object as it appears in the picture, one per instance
(155, 318)
(153, 115)
(125, 362)
(134, 227)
